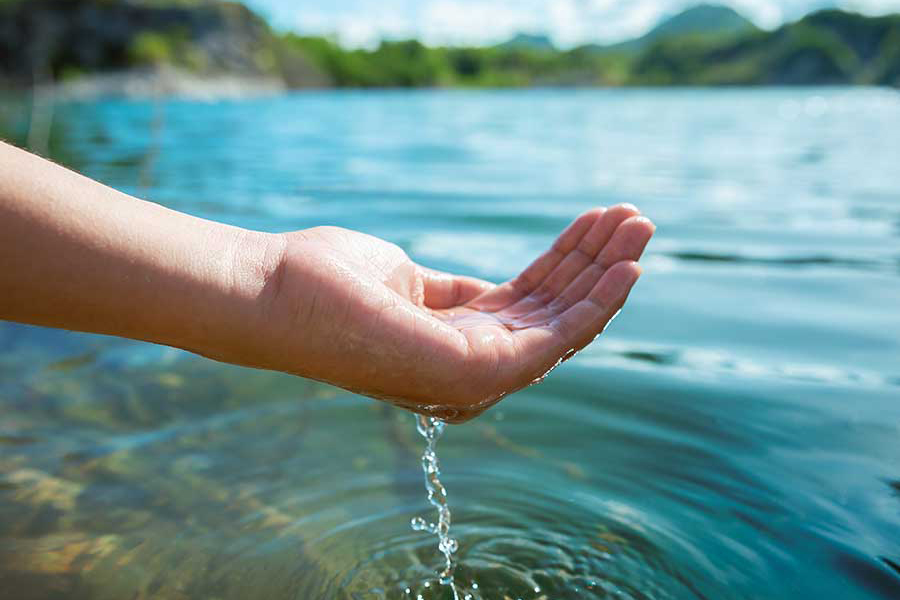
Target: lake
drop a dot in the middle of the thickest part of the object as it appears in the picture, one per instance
(734, 434)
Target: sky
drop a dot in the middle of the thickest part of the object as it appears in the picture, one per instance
(568, 22)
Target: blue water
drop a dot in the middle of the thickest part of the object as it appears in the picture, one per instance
(734, 434)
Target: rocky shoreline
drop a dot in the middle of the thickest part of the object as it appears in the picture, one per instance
(216, 48)
(114, 47)
(166, 82)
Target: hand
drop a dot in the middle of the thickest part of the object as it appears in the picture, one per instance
(324, 303)
(355, 311)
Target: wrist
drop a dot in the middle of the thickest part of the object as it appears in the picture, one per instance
(230, 321)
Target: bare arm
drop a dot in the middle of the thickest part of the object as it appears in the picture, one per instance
(326, 303)
(78, 255)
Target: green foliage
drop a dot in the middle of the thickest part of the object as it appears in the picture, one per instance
(407, 64)
(830, 47)
(174, 47)
(807, 53)
(707, 45)
(885, 70)
(411, 64)
(150, 48)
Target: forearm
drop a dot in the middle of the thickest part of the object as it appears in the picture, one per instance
(326, 303)
(78, 255)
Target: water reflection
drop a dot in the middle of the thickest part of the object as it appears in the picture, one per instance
(735, 430)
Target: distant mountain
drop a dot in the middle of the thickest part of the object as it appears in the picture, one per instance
(702, 19)
(530, 41)
(705, 45)
(829, 47)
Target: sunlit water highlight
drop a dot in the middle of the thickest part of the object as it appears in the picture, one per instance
(733, 435)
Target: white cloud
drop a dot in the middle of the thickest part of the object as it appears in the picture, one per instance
(874, 6)
(461, 22)
(765, 13)
(572, 22)
(354, 31)
(565, 22)
(641, 17)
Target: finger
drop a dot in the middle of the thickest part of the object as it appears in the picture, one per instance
(567, 241)
(579, 257)
(520, 286)
(543, 347)
(608, 296)
(628, 241)
(574, 293)
(444, 290)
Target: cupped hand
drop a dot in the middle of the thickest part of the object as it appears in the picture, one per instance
(355, 311)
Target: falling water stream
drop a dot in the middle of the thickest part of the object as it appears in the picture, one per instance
(712, 463)
(431, 429)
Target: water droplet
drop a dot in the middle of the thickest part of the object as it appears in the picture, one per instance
(448, 545)
(431, 429)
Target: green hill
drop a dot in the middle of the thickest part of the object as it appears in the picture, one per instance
(45, 40)
(827, 47)
(703, 19)
(529, 41)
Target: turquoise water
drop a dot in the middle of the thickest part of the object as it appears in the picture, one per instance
(734, 434)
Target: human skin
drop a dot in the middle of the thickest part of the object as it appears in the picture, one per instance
(325, 303)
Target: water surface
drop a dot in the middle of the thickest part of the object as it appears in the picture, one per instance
(734, 434)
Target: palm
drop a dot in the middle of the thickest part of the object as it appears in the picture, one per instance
(453, 346)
